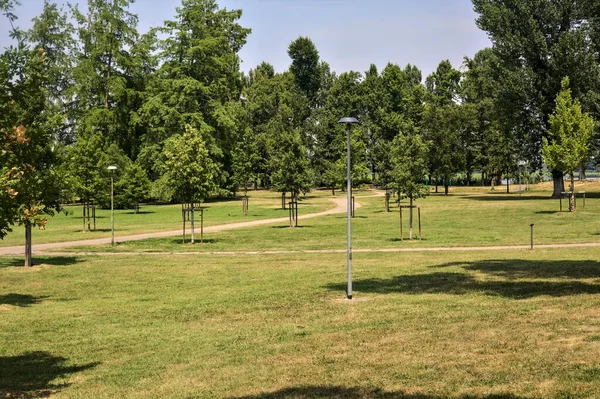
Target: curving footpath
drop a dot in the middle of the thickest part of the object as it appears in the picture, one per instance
(340, 203)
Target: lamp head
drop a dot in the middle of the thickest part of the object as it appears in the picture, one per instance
(348, 119)
(111, 168)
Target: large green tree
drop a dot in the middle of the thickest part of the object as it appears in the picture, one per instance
(537, 43)
(198, 81)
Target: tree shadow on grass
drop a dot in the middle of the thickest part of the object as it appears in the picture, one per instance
(338, 392)
(288, 227)
(520, 268)
(547, 212)
(505, 197)
(462, 284)
(21, 300)
(40, 260)
(31, 374)
(188, 241)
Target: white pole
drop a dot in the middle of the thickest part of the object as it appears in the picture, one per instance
(349, 192)
(112, 210)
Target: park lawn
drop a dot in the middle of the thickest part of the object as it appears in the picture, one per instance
(263, 205)
(470, 216)
(486, 324)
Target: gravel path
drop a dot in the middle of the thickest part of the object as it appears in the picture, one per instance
(340, 203)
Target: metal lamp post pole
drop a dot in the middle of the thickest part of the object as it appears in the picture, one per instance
(112, 205)
(348, 122)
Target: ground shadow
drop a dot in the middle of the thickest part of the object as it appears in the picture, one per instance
(337, 392)
(31, 374)
(288, 227)
(21, 300)
(138, 213)
(461, 284)
(505, 197)
(42, 260)
(520, 268)
(547, 212)
(86, 231)
(196, 240)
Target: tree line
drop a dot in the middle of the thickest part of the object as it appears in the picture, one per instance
(170, 108)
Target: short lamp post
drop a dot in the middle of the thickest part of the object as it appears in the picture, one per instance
(112, 205)
(348, 121)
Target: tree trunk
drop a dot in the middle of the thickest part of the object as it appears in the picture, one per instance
(136, 208)
(192, 221)
(410, 220)
(507, 185)
(436, 185)
(333, 191)
(572, 197)
(446, 184)
(582, 172)
(468, 178)
(28, 262)
(283, 200)
(559, 183)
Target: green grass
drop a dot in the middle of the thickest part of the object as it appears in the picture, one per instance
(468, 217)
(495, 324)
(263, 205)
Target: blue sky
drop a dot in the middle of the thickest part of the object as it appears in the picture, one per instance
(349, 34)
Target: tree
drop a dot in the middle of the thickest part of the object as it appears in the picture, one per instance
(190, 172)
(305, 67)
(30, 184)
(568, 141)
(537, 43)
(444, 123)
(198, 80)
(409, 165)
(246, 161)
(132, 187)
(289, 162)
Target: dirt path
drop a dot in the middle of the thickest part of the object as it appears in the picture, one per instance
(340, 203)
(329, 251)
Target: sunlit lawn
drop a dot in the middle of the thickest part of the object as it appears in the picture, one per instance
(262, 205)
(493, 324)
(468, 217)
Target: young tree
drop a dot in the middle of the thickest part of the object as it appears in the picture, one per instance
(190, 173)
(30, 184)
(569, 137)
(409, 165)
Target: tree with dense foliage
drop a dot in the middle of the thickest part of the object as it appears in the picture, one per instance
(569, 138)
(306, 67)
(190, 172)
(132, 187)
(444, 124)
(198, 80)
(537, 43)
(29, 182)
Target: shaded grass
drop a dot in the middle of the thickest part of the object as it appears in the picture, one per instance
(521, 325)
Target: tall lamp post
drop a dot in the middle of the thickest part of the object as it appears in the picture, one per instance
(112, 205)
(348, 121)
